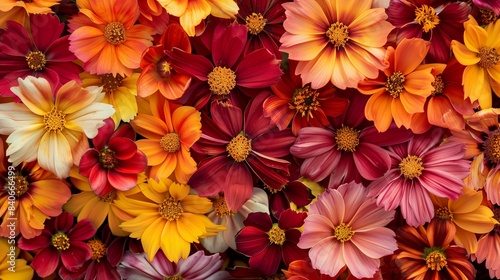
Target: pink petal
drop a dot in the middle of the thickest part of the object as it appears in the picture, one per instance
(238, 186)
(421, 143)
(375, 243)
(251, 241)
(316, 229)
(327, 256)
(360, 265)
(122, 181)
(393, 135)
(416, 205)
(319, 167)
(313, 141)
(274, 143)
(98, 180)
(199, 266)
(371, 161)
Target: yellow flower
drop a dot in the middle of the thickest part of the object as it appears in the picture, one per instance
(22, 271)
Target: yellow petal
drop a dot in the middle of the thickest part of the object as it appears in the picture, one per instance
(151, 237)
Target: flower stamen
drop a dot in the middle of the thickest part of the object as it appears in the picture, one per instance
(489, 57)
(239, 147)
(444, 213)
(221, 80)
(107, 158)
(60, 241)
(426, 17)
(435, 258)
(411, 167)
(164, 68)
(171, 142)
(21, 185)
(36, 60)
(220, 207)
(171, 209)
(343, 232)
(111, 83)
(54, 120)
(98, 249)
(305, 101)
(114, 33)
(109, 197)
(395, 84)
(276, 235)
(347, 139)
(492, 147)
(255, 23)
(438, 85)
(338, 34)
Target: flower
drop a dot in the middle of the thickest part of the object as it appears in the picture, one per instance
(105, 37)
(267, 243)
(346, 228)
(480, 55)
(489, 5)
(335, 41)
(487, 247)
(51, 130)
(169, 217)
(419, 167)
(61, 241)
(31, 7)
(16, 267)
(302, 270)
(115, 161)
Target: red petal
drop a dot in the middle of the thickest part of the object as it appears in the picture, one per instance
(98, 181)
(291, 219)
(238, 186)
(298, 193)
(207, 179)
(255, 124)
(46, 261)
(124, 148)
(125, 131)
(258, 69)
(45, 30)
(393, 135)
(228, 43)
(228, 118)
(278, 203)
(274, 143)
(259, 220)
(251, 241)
(88, 161)
(195, 65)
(174, 36)
(82, 231)
(271, 177)
(64, 222)
(103, 134)
(36, 243)
(136, 164)
(76, 255)
(290, 253)
(122, 181)
(266, 261)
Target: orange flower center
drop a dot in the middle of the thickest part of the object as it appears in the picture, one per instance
(343, 232)
(98, 249)
(239, 147)
(426, 16)
(255, 23)
(109, 197)
(175, 277)
(276, 235)
(347, 139)
(107, 158)
(114, 33)
(60, 241)
(338, 34)
(305, 101)
(54, 120)
(489, 57)
(111, 83)
(221, 80)
(438, 85)
(411, 167)
(163, 68)
(36, 60)
(492, 147)
(435, 258)
(444, 213)
(395, 84)
(171, 142)
(220, 207)
(21, 185)
(170, 209)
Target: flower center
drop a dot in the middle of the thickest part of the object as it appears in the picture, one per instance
(347, 139)
(36, 60)
(487, 16)
(170, 209)
(444, 213)
(274, 190)
(109, 197)
(338, 34)
(426, 16)
(221, 80)
(98, 249)
(107, 158)
(492, 147)
(220, 207)
(489, 57)
(343, 232)
(496, 216)
(395, 84)
(276, 235)
(21, 185)
(438, 85)
(435, 258)
(163, 68)
(114, 33)
(171, 142)
(255, 23)
(175, 277)
(60, 241)
(111, 83)
(239, 147)
(411, 167)
(54, 120)
(304, 101)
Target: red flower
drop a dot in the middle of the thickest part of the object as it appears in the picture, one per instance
(115, 161)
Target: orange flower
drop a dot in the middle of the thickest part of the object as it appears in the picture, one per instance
(19, 10)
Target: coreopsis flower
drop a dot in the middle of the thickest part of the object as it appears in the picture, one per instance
(436, 21)
(400, 90)
(39, 52)
(267, 243)
(419, 167)
(303, 270)
(52, 130)
(487, 247)
(168, 217)
(300, 105)
(20, 269)
(61, 242)
(489, 5)
(481, 56)
(341, 42)
(105, 37)
(170, 131)
(346, 228)
(426, 253)
(241, 147)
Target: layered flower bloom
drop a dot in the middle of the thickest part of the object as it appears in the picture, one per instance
(52, 130)
(345, 228)
(419, 167)
(488, 246)
(168, 217)
(400, 90)
(20, 271)
(105, 37)
(335, 41)
(481, 56)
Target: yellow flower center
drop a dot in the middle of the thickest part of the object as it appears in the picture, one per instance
(36, 60)
(163, 68)
(175, 277)
(114, 33)
(21, 185)
(489, 57)
(54, 120)
(338, 34)
(221, 80)
(343, 232)
(492, 147)
(107, 158)
(411, 167)
(438, 85)
(98, 249)
(276, 235)
(426, 16)
(395, 84)
(239, 147)
(111, 83)
(109, 197)
(273, 190)
(220, 207)
(444, 213)
(347, 139)
(60, 241)
(171, 209)
(435, 258)
(255, 23)
(171, 142)
(305, 101)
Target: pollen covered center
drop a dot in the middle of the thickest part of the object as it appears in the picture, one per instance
(107, 158)
(492, 147)
(21, 185)
(395, 84)
(444, 213)
(220, 207)
(98, 249)
(109, 197)
(489, 57)
(343, 232)
(305, 101)
(435, 258)
(36, 60)
(60, 241)
(239, 147)
(163, 68)
(276, 235)
(347, 139)
(411, 167)
(111, 83)
(114, 33)
(221, 80)
(255, 23)
(171, 209)
(338, 34)
(438, 85)
(54, 120)
(426, 17)
(171, 142)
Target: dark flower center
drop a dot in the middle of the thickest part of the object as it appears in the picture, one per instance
(109, 197)
(163, 68)
(107, 158)
(221, 80)
(171, 209)
(444, 213)
(438, 85)
(343, 232)
(98, 249)
(492, 147)
(426, 17)
(21, 185)
(488, 16)
(255, 23)
(411, 167)
(114, 33)
(220, 207)
(239, 147)
(395, 84)
(338, 34)
(60, 241)
(489, 57)
(54, 120)
(171, 142)
(347, 139)
(111, 83)
(435, 258)
(305, 101)
(36, 60)
(276, 235)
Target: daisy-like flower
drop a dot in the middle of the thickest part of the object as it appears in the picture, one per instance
(400, 90)
(345, 228)
(20, 271)
(105, 37)
(168, 217)
(52, 130)
(481, 56)
(335, 41)
(488, 245)
(419, 167)
(426, 253)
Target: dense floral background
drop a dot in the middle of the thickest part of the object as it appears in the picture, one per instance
(249, 139)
